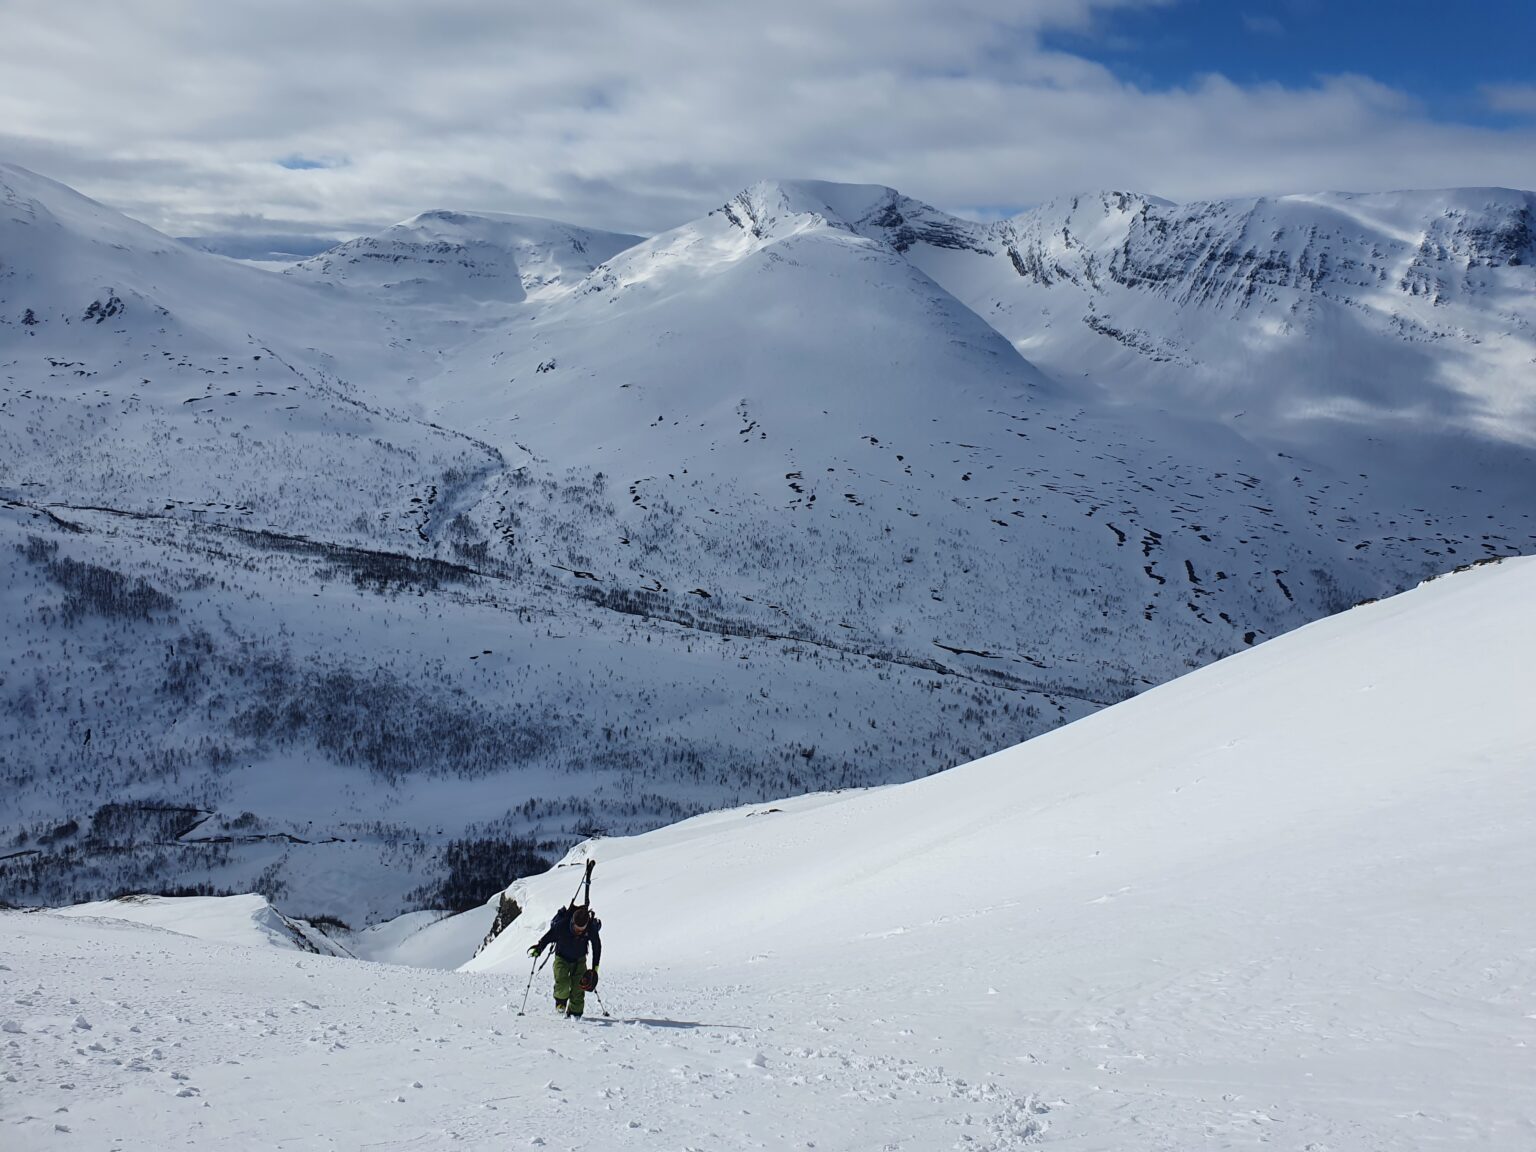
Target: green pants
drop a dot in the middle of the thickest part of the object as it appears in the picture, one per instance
(568, 984)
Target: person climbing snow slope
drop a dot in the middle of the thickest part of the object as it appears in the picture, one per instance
(571, 930)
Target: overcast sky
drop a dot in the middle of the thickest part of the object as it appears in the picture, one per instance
(333, 117)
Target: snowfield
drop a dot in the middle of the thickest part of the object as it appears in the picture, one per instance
(1286, 900)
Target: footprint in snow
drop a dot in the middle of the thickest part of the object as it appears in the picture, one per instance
(1106, 899)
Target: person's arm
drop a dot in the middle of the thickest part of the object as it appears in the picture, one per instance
(597, 943)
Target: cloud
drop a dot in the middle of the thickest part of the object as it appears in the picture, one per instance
(640, 114)
(251, 244)
(1519, 99)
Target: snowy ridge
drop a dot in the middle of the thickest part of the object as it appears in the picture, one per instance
(248, 921)
(1283, 900)
(474, 256)
(1310, 316)
(146, 377)
(59, 213)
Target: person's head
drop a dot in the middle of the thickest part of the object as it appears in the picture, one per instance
(581, 918)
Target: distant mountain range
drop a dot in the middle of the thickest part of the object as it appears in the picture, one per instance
(413, 561)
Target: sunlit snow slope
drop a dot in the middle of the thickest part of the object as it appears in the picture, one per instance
(1285, 901)
(248, 921)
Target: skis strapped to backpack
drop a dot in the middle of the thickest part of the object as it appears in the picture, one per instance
(582, 897)
(584, 887)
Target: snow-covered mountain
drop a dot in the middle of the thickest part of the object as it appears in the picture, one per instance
(1283, 901)
(457, 257)
(1378, 319)
(143, 376)
(310, 575)
(442, 278)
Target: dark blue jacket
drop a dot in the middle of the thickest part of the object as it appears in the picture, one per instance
(571, 945)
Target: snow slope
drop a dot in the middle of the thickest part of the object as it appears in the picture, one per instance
(421, 939)
(141, 375)
(1282, 901)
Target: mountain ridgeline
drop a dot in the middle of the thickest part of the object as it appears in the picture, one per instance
(331, 582)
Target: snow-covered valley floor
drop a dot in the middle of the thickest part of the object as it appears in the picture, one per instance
(1287, 901)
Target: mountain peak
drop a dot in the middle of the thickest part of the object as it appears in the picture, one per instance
(845, 203)
(772, 208)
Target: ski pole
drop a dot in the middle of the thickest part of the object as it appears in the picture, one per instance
(534, 967)
(600, 1003)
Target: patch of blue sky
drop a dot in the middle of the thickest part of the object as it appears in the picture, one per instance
(307, 163)
(1446, 57)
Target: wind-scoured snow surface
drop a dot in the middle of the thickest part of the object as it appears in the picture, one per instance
(1284, 901)
(371, 584)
